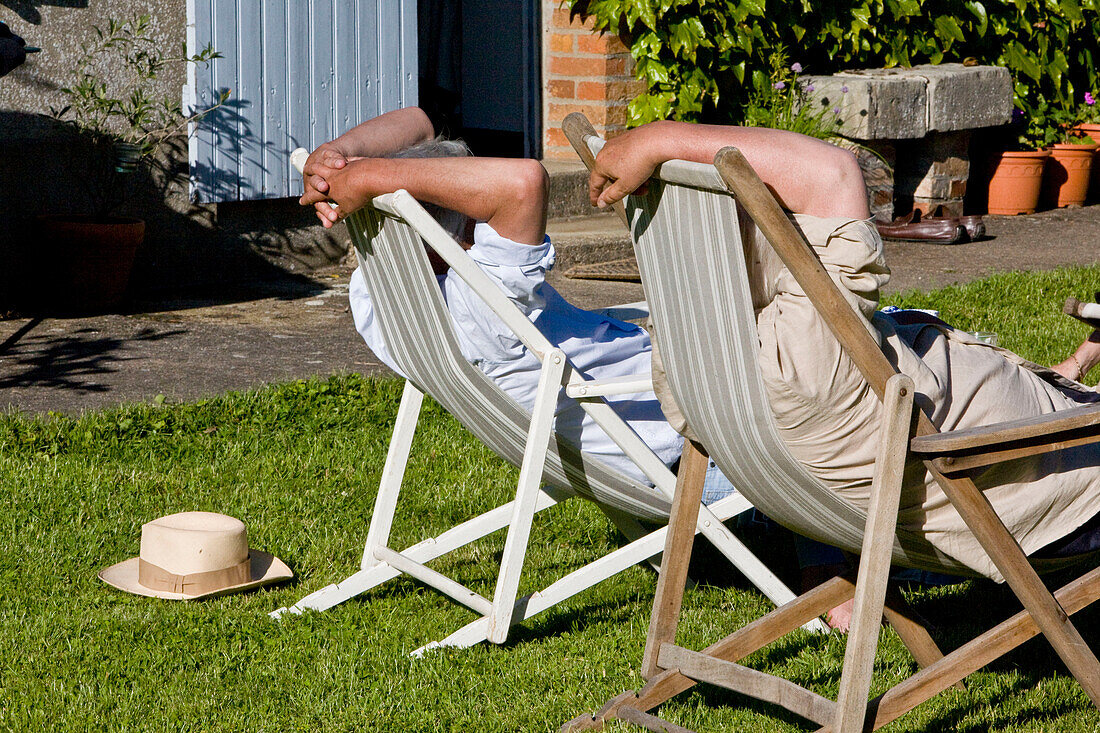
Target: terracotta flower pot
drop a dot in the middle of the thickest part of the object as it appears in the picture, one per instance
(91, 260)
(1093, 131)
(1066, 180)
(1015, 182)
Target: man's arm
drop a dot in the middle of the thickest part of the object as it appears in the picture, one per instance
(806, 175)
(376, 138)
(509, 194)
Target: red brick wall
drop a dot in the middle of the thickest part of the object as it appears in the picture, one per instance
(584, 72)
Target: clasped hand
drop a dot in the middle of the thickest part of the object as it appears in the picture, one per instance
(326, 179)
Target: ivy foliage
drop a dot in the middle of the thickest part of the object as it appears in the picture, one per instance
(703, 59)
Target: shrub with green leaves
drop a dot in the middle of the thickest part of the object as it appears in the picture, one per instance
(702, 59)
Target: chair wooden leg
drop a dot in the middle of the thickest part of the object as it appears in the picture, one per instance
(677, 554)
(397, 457)
(874, 559)
(527, 491)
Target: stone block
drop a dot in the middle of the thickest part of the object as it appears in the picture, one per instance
(873, 107)
(966, 97)
(904, 104)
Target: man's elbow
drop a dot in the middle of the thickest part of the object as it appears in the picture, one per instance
(418, 121)
(520, 198)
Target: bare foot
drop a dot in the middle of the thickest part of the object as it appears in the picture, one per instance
(1083, 360)
(840, 618)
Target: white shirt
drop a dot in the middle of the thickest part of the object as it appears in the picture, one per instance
(599, 347)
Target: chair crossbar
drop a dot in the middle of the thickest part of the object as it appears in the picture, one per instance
(588, 389)
(453, 589)
(747, 681)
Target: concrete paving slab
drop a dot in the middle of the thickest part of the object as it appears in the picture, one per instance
(295, 328)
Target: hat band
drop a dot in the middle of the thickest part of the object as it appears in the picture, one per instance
(154, 577)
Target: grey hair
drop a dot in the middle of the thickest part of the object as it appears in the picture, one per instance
(453, 221)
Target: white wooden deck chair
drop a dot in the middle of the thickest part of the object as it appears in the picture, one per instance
(704, 321)
(389, 236)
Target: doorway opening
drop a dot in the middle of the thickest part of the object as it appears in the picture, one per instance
(481, 73)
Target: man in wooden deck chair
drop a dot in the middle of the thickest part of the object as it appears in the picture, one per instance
(824, 409)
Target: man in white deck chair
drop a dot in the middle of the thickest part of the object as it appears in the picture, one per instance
(824, 409)
(507, 199)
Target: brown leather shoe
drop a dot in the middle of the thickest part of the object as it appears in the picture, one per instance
(975, 227)
(910, 228)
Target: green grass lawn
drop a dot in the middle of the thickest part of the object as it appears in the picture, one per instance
(300, 464)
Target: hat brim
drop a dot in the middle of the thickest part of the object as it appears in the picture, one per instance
(266, 568)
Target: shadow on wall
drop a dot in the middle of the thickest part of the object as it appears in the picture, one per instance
(213, 249)
(28, 11)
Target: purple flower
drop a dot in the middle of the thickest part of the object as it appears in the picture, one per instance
(1017, 115)
(844, 89)
(796, 67)
(809, 87)
(1089, 99)
(836, 111)
(779, 85)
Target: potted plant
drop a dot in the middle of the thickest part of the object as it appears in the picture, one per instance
(112, 106)
(1066, 179)
(1090, 125)
(1016, 174)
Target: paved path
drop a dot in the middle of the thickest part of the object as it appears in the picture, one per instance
(186, 349)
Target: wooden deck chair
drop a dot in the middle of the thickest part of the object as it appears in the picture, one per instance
(703, 319)
(389, 236)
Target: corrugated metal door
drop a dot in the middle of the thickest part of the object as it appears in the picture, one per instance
(300, 72)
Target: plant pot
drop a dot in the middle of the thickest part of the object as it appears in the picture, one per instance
(1016, 181)
(1066, 180)
(1093, 131)
(89, 261)
(127, 157)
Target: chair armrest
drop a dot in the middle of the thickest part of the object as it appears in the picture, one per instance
(626, 312)
(960, 450)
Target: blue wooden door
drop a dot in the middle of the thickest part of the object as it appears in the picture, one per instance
(300, 72)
